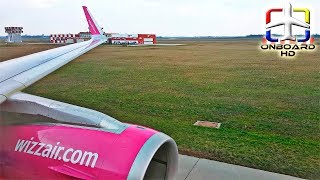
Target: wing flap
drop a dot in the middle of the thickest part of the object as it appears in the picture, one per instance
(7, 87)
(2, 98)
(61, 112)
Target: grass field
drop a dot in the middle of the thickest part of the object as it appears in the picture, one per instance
(269, 107)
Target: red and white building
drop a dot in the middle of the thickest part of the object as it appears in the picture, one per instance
(132, 39)
(113, 38)
(69, 38)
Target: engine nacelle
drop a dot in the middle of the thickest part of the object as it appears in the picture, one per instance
(93, 145)
(56, 151)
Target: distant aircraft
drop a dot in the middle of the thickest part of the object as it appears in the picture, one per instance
(82, 143)
(288, 21)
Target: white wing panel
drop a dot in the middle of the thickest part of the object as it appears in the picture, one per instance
(38, 72)
(22, 72)
(10, 68)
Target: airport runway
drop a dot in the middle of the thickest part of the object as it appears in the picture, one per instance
(191, 168)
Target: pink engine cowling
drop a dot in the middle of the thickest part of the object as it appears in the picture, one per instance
(56, 151)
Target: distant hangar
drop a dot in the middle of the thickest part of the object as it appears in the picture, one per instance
(132, 39)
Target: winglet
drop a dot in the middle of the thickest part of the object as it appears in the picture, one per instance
(93, 26)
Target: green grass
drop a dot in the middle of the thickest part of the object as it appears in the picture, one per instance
(269, 107)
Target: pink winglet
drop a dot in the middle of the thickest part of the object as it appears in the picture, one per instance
(94, 28)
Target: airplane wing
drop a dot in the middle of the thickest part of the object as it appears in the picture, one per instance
(297, 22)
(133, 152)
(19, 73)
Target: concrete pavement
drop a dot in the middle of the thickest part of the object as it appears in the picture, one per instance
(191, 168)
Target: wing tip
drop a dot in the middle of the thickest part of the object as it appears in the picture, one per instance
(93, 27)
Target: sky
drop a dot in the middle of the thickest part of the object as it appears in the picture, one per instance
(162, 17)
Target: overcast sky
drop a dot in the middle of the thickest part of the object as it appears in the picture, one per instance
(163, 17)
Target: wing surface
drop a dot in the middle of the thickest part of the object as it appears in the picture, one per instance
(19, 73)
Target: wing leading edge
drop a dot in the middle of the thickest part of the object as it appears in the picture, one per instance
(19, 73)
